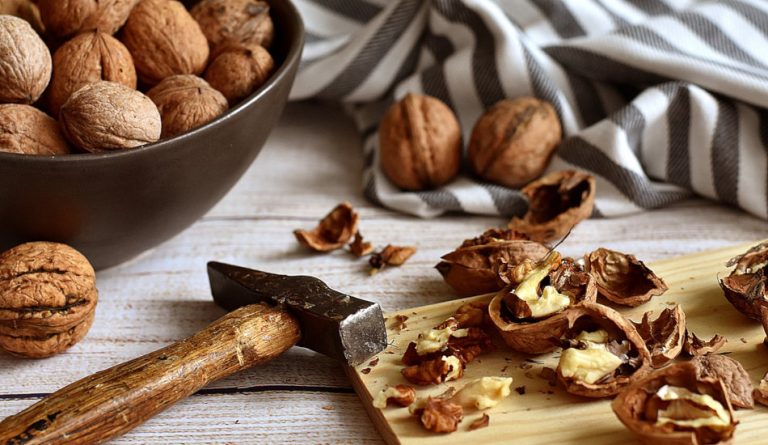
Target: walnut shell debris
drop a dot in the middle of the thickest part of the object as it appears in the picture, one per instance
(390, 255)
(26, 130)
(23, 9)
(622, 278)
(25, 62)
(663, 336)
(105, 116)
(64, 18)
(359, 247)
(639, 407)
(238, 70)
(556, 203)
(87, 58)
(745, 286)
(47, 298)
(164, 40)
(186, 102)
(419, 143)
(332, 232)
(734, 377)
(235, 21)
(473, 268)
(514, 140)
(693, 346)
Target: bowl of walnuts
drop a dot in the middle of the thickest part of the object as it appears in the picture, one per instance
(124, 121)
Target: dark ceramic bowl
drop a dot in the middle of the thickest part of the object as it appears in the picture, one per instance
(113, 206)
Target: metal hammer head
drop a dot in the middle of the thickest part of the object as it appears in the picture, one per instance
(337, 325)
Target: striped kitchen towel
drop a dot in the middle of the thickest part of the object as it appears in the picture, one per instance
(659, 99)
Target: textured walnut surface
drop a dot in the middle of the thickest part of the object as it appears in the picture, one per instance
(185, 102)
(68, 17)
(238, 70)
(27, 130)
(25, 62)
(235, 21)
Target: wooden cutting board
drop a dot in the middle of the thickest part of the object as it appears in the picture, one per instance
(549, 415)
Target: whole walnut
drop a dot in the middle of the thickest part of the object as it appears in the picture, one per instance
(186, 102)
(25, 62)
(164, 40)
(235, 21)
(514, 140)
(63, 18)
(47, 298)
(419, 143)
(104, 116)
(23, 9)
(89, 57)
(238, 70)
(26, 130)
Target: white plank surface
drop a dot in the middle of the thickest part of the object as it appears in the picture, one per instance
(311, 162)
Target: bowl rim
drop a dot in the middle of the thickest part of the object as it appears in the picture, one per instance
(292, 57)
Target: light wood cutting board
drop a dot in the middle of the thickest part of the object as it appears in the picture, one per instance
(549, 415)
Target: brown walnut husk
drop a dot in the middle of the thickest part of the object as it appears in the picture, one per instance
(332, 232)
(64, 18)
(26, 130)
(632, 404)
(87, 58)
(663, 336)
(235, 21)
(186, 102)
(390, 255)
(359, 247)
(237, 70)
(745, 287)
(104, 116)
(47, 298)
(734, 377)
(473, 268)
(622, 278)
(556, 203)
(25, 64)
(539, 336)
(637, 361)
(514, 140)
(164, 40)
(419, 143)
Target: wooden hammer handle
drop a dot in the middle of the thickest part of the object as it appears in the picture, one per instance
(111, 402)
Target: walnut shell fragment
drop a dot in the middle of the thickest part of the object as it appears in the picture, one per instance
(332, 232)
(238, 70)
(26, 130)
(664, 337)
(556, 203)
(693, 346)
(359, 247)
(47, 298)
(659, 407)
(734, 377)
(186, 102)
(390, 256)
(622, 278)
(539, 335)
(235, 21)
(603, 352)
(473, 268)
(745, 286)
(25, 64)
(66, 18)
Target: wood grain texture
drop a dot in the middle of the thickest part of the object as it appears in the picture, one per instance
(311, 162)
(111, 402)
(545, 414)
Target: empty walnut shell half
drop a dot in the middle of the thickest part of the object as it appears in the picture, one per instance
(660, 408)
(333, 232)
(664, 337)
(539, 335)
(734, 377)
(620, 358)
(745, 286)
(556, 202)
(622, 278)
(47, 298)
(473, 268)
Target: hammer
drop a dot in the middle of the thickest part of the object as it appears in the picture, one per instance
(269, 314)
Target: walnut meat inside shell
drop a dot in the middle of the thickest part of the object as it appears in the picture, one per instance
(186, 102)
(47, 298)
(26, 130)
(25, 64)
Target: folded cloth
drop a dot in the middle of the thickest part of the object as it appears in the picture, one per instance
(659, 99)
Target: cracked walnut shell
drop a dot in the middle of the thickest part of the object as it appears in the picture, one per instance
(332, 232)
(164, 40)
(734, 377)
(25, 65)
(622, 278)
(64, 18)
(514, 140)
(235, 21)
(665, 336)
(104, 116)
(745, 286)
(419, 143)
(47, 298)
(238, 70)
(26, 130)
(186, 102)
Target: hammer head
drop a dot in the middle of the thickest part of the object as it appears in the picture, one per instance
(337, 325)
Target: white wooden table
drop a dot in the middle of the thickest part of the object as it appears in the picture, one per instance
(311, 162)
